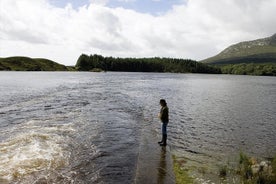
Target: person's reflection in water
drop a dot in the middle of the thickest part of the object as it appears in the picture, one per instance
(162, 169)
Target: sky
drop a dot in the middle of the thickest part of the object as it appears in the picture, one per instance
(62, 30)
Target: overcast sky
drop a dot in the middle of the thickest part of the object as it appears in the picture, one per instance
(61, 30)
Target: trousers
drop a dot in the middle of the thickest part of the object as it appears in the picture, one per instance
(164, 128)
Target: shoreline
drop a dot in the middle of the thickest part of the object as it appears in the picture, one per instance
(154, 164)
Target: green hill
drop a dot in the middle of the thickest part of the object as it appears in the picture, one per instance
(256, 51)
(30, 64)
(257, 57)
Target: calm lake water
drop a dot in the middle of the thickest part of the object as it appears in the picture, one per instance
(71, 127)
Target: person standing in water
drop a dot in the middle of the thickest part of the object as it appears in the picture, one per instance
(164, 117)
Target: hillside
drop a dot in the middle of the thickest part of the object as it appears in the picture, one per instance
(256, 51)
(30, 64)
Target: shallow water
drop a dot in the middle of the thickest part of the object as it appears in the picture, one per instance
(88, 127)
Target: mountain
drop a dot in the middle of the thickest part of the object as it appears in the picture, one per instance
(256, 51)
(30, 64)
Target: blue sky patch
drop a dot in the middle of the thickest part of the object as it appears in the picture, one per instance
(146, 6)
(154, 7)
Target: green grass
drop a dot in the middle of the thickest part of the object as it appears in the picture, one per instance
(30, 64)
(262, 176)
(223, 171)
(247, 170)
(251, 171)
(257, 51)
(181, 175)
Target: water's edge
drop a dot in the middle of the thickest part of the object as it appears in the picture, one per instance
(103, 128)
(154, 163)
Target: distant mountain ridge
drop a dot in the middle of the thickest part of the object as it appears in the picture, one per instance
(30, 64)
(256, 51)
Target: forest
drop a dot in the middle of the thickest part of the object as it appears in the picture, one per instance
(155, 64)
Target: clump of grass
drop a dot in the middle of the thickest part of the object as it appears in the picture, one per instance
(273, 165)
(245, 167)
(254, 172)
(251, 170)
(223, 171)
(181, 175)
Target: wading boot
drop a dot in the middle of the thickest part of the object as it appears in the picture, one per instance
(160, 142)
(164, 143)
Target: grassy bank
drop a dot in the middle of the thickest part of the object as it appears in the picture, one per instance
(253, 170)
(30, 64)
(246, 170)
(181, 175)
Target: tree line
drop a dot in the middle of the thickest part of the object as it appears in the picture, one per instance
(155, 64)
(266, 69)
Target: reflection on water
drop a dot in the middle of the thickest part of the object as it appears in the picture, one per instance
(102, 127)
(162, 169)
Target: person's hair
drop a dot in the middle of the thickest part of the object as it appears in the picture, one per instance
(162, 101)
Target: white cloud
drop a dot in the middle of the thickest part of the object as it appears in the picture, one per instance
(99, 2)
(196, 29)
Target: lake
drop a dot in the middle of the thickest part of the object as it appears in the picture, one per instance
(81, 127)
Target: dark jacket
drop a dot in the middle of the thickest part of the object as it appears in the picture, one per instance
(164, 114)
